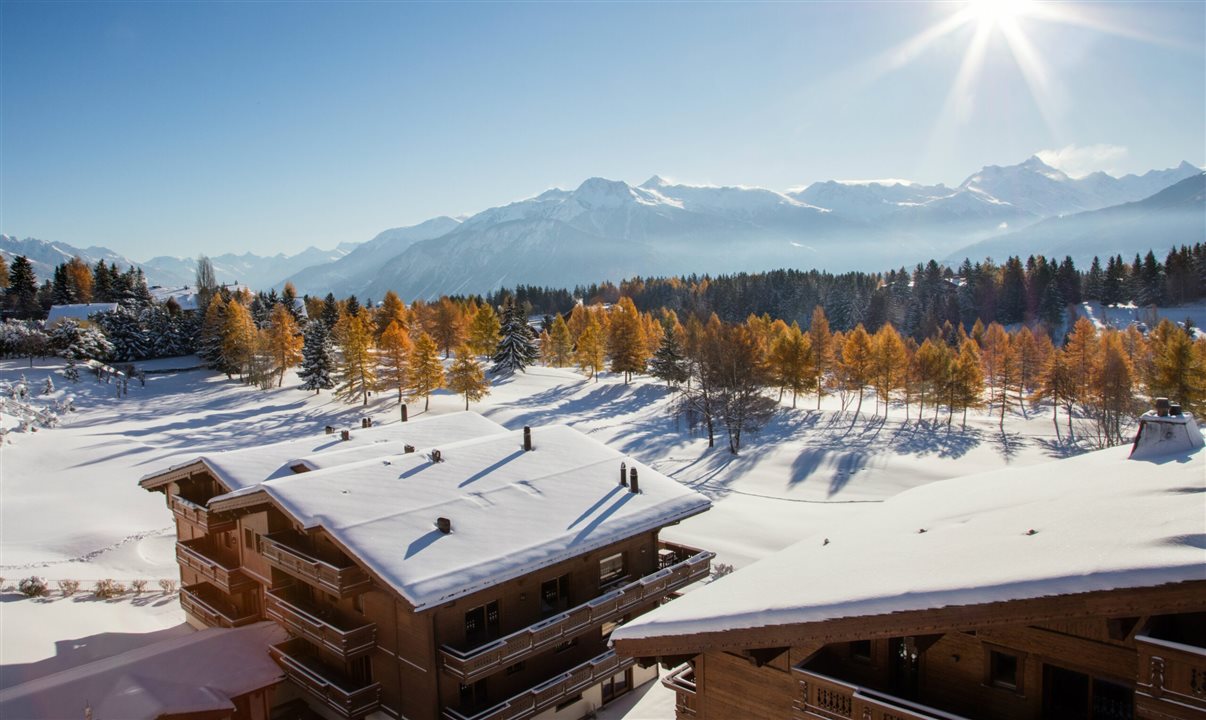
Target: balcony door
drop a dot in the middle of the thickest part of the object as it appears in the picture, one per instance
(554, 596)
(1071, 695)
(481, 624)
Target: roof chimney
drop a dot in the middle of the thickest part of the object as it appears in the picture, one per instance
(624, 474)
(527, 438)
(633, 486)
(345, 434)
(404, 417)
(444, 524)
(436, 456)
(1162, 405)
(408, 448)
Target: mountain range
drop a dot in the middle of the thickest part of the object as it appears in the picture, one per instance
(608, 229)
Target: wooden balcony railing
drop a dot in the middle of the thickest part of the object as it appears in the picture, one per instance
(682, 681)
(285, 552)
(318, 626)
(473, 664)
(831, 699)
(206, 603)
(199, 555)
(1171, 682)
(330, 686)
(199, 515)
(550, 692)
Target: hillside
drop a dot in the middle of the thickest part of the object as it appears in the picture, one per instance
(1172, 217)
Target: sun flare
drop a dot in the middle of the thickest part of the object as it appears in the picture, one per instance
(997, 12)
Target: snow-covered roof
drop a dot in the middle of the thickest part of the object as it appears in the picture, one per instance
(78, 311)
(195, 673)
(185, 297)
(1096, 522)
(239, 469)
(511, 511)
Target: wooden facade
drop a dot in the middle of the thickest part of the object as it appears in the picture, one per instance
(514, 650)
(1065, 658)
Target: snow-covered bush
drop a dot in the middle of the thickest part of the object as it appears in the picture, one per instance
(138, 586)
(33, 586)
(167, 585)
(48, 386)
(71, 339)
(68, 587)
(108, 588)
(719, 570)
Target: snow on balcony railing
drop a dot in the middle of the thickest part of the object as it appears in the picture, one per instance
(476, 662)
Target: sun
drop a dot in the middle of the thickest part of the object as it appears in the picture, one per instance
(994, 13)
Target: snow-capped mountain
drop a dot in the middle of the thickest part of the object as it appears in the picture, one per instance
(254, 271)
(351, 273)
(1037, 188)
(610, 229)
(1172, 217)
(44, 256)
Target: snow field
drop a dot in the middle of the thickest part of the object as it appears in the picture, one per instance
(70, 506)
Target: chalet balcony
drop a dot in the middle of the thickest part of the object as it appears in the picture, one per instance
(291, 552)
(321, 626)
(203, 557)
(1172, 679)
(826, 698)
(195, 512)
(330, 686)
(682, 681)
(474, 663)
(550, 692)
(213, 607)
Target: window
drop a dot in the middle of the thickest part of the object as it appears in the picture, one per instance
(554, 596)
(611, 569)
(248, 538)
(615, 686)
(473, 695)
(482, 623)
(1003, 670)
(861, 650)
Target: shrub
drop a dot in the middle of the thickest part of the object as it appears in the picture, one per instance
(138, 586)
(33, 586)
(719, 570)
(108, 588)
(167, 585)
(68, 587)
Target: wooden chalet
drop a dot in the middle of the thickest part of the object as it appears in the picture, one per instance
(1073, 590)
(440, 568)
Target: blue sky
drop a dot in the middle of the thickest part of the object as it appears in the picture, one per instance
(178, 128)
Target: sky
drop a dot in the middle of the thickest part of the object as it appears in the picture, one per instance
(175, 128)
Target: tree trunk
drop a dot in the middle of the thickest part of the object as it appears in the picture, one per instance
(426, 402)
(711, 433)
(793, 399)
(860, 401)
(466, 401)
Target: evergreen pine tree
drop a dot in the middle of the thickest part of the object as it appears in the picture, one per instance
(466, 377)
(318, 358)
(330, 311)
(1094, 281)
(517, 348)
(21, 295)
(669, 362)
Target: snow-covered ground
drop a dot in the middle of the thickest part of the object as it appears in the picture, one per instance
(70, 506)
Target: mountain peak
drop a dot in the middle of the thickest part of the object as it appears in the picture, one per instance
(657, 181)
(598, 192)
